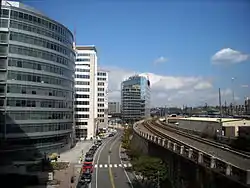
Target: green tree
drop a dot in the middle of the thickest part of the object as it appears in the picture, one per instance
(150, 168)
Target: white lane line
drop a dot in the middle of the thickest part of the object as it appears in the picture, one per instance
(110, 165)
(120, 165)
(100, 166)
(106, 166)
(124, 165)
(129, 165)
(115, 165)
(126, 174)
(96, 165)
(98, 159)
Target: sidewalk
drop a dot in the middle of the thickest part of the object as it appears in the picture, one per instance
(72, 156)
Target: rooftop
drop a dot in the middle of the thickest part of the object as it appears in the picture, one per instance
(90, 47)
(210, 119)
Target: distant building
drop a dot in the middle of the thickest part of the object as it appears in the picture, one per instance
(247, 106)
(86, 91)
(135, 98)
(102, 98)
(113, 108)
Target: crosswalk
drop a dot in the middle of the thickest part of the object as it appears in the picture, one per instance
(113, 165)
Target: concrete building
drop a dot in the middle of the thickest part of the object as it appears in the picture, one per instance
(113, 108)
(102, 98)
(135, 98)
(214, 126)
(85, 91)
(37, 63)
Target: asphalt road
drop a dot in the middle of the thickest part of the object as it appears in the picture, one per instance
(109, 170)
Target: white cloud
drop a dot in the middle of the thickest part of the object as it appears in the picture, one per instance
(170, 90)
(160, 60)
(229, 56)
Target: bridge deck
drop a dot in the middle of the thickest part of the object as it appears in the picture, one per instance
(235, 160)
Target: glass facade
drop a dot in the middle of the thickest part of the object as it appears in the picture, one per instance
(37, 64)
(135, 98)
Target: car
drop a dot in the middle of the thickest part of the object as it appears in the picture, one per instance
(94, 147)
(86, 177)
(87, 166)
(89, 154)
(89, 159)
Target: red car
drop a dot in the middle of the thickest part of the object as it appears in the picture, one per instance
(87, 166)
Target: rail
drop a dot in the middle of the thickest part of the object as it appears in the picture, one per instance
(210, 156)
(206, 141)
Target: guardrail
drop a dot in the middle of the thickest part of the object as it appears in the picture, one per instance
(195, 154)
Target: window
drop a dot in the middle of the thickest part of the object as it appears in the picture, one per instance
(100, 99)
(81, 59)
(82, 54)
(101, 84)
(101, 79)
(81, 102)
(100, 94)
(82, 96)
(82, 89)
(82, 109)
(100, 89)
(82, 76)
(81, 83)
(81, 123)
(101, 73)
(78, 116)
(82, 70)
(100, 105)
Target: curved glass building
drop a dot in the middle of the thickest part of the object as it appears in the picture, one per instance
(36, 80)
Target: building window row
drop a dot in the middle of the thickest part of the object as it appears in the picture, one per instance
(100, 94)
(82, 70)
(34, 128)
(83, 54)
(82, 109)
(100, 110)
(101, 83)
(81, 123)
(82, 89)
(101, 73)
(82, 76)
(81, 102)
(38, 115)
(101, 79)
(19, 102)
(81, 59)
(34, 90)
(101, 120)
(22, 76)
(100, 89)
(82, 83)
(78, 116)
(100, 99)
(28, 39)
(41, 22)
(100, 105)
(21, 50)
(82, 96)
(100, 115)
(40, 31)
(22, 63)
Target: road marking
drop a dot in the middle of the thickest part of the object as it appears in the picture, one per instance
(110, 165)
(115, 165)
(96, 166)
(120, 165)
(125, 165)
(105, 165)
(111, 175)
(101, 166)
(98, 159)
(126, 174)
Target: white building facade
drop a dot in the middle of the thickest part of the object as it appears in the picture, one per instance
(102, 98)
(85, 92)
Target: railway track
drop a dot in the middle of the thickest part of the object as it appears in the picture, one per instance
(237, 159)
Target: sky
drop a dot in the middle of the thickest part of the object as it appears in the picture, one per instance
(189, 49)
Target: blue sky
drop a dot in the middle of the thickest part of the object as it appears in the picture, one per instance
(130, 35)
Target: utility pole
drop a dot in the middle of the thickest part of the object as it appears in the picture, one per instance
(220, 103)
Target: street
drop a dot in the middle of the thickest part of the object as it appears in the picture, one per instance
(109, 169)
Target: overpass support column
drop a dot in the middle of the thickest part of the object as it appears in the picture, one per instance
(174, 147)
(169, 144)
(190, 153)
(163, 142)
(182, 150)
(200, 157)
(229, 170)
(213, 162)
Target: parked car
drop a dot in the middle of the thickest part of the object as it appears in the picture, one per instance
(89, 159)
(87, 166)
(86, 177)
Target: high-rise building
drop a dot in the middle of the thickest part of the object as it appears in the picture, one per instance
(37, 64)
(135, 98)
(102, 98)
(85, 91)
(113, 108)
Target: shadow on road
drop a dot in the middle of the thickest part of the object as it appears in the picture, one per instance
(22, 164)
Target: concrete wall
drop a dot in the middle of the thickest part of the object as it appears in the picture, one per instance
(139, 144)
(208, 127)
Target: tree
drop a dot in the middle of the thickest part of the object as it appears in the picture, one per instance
(150, 168)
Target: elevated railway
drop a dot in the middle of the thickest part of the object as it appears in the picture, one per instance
(223, 160)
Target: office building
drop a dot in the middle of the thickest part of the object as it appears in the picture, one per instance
(135, 98)
(113, 108)
(86, 92)
(37, 63)
(102, 98)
